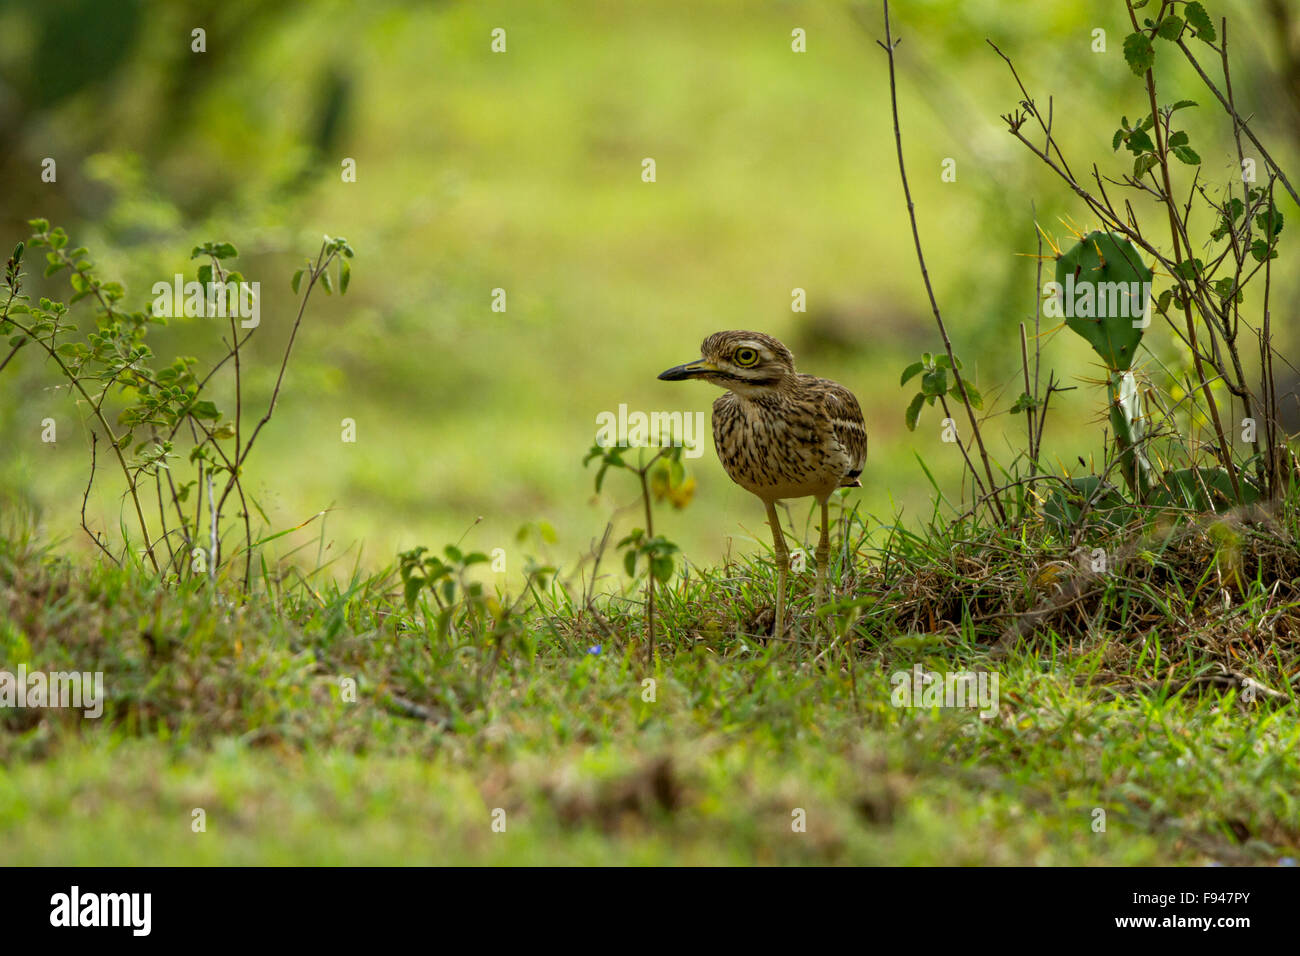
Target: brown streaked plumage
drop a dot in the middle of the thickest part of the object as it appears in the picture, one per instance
(780, 433)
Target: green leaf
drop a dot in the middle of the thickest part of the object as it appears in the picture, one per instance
(1187, 155)
(1170, 27)
(1262, 220)
(1182, 104)
(911, 372)
(412, 590)
(327, 282)
(1139, 142)
(935, 383)
(1199, 20)
(1225, 288)
(1119, 138)
(914, 411)
(297, 278)
(1189, 268)
(629, 563)
(1144, 164)
(1023, 403)
(1139, 54)
(1261, 250)
(1177, 138)
(976, 399)
(204, 409)
(345, 276)
(662, 568)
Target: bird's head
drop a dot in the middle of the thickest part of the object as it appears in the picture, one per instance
(748, 363)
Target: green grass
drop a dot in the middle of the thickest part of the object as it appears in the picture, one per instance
(237, 711)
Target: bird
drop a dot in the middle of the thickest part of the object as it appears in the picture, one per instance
(780, 434)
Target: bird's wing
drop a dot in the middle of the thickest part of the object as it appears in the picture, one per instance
(842, 409)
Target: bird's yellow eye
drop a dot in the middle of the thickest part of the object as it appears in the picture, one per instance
(745, 357)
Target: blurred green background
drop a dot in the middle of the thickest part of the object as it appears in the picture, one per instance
(522, 170)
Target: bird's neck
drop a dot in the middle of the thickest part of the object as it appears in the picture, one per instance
(764, 392)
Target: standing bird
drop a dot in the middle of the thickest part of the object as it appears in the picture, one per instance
(780, 434)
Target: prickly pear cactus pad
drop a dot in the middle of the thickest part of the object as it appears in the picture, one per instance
(1104, 286)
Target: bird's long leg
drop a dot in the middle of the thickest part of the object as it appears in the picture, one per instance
(782, 566)
(823, 553)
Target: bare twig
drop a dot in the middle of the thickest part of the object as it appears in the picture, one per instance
(1236, 117)
(888, 46)
(94, 441)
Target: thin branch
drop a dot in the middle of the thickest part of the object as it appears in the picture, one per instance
(1241, 123)
(888, 46)
(94, 441)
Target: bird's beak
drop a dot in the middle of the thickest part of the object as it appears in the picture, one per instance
(689, 370)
